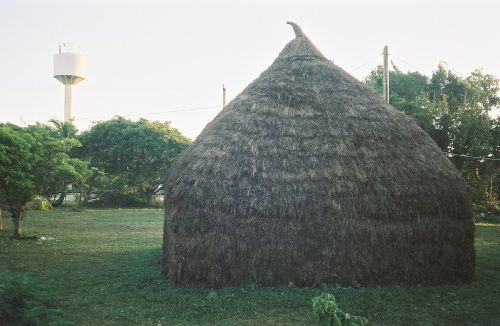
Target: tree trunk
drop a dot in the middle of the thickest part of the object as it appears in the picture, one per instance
(149, 199)
(1, 222)
(17, 220)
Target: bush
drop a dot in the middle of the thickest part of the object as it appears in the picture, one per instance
(39, 204)
(117, 199)
(157, 203)
(24, 301)
(112, 199)
(327, 313)
(487, 207)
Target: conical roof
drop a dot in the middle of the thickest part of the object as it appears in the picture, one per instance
(308, 176)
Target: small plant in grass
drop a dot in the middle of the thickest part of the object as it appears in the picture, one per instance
(24, 301)
(327, 313)
(212, 295)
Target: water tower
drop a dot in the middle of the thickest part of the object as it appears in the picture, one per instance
(69, 69)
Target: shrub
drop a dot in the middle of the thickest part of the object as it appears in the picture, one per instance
(114, 199)
(487, 207)
(24, 301)
(39, 204)
(117, 199)
(157, 203)
(327, 313)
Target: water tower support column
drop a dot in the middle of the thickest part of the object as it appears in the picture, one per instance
(68, 111)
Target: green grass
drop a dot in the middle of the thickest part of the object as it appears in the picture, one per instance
(105, 268)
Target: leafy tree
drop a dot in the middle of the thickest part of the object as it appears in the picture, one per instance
(409, 94)
(455, 111)
(32, 162)
(63, 129)
(132, 156)
(72, 173)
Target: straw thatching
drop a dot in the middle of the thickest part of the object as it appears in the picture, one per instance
(308, 176)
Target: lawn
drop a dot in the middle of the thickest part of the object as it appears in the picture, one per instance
(105, 268)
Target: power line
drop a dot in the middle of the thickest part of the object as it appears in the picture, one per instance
(378, 57)
(156, 113)
(407, 63)
(472, 157)
(364, 64)
(26, 122)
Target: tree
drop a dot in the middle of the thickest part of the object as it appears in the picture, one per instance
(409, 93)
(63, 129)
(73, 172)
(32, 162)
(132, 156)
(455, 112)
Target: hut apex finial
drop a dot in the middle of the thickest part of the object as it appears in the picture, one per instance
(296, 28)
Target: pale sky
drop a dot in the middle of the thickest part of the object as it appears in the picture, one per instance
(167, 60)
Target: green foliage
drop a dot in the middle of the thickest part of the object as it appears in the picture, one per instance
(24, 301)
(17, 162)
(39, 204)
(486, 207)
(327, 313)
(65, 170)
(34, 162)
(131, 158)
(455, 112)
(112, 198)
(63, 130)
(158, 203)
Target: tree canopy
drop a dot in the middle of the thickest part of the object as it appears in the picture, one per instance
(456, 112)
(132, 156)
(33, 162)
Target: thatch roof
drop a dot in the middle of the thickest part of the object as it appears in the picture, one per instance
(308, 176)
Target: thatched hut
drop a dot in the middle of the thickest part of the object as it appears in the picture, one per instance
(308, 176)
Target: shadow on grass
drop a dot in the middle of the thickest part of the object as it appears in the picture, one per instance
(24, 238)
(128, 288)
(107, 282)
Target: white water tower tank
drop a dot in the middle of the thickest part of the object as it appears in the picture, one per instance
(69, 69)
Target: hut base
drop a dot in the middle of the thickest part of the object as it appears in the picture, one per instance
(425, 252)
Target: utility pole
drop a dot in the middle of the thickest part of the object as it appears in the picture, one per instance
(386, 74)
(223, 96)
